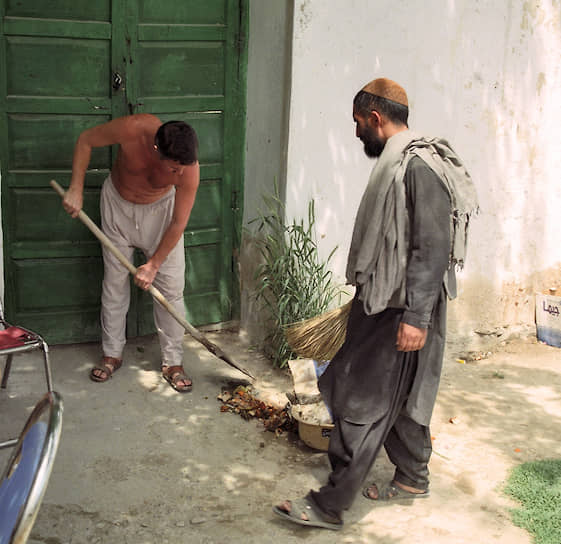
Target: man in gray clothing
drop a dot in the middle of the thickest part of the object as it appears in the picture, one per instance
(409, 235)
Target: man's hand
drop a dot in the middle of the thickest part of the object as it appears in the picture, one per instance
(410, 338)
(145, 275)
(73, 201)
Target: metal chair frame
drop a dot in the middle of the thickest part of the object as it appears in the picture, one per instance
(35, 342)
(28, 487)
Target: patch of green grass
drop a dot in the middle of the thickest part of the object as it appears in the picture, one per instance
(537, 486)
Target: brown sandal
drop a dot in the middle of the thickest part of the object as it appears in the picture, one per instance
(175, 374)
(108, 366)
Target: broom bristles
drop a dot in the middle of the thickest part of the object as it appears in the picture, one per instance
(319, 337)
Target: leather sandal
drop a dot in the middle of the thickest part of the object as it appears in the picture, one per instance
(108, 366)
(392, 492)
(305, 512)
(174, 375)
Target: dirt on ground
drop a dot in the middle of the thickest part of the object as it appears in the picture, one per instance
(139, 463)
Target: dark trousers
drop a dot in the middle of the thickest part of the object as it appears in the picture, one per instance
(353, 448)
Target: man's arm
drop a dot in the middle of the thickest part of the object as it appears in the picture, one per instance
(428, 206)
(185, 193)
(114, 132)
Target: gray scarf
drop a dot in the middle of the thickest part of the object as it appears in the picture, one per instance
(378, 254)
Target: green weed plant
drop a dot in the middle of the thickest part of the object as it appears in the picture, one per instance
(537, 486)
(293, 282)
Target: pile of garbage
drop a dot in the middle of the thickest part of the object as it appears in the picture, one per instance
(241, 401)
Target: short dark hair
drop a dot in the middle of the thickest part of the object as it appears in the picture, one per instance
(364, 102)
(176, 140)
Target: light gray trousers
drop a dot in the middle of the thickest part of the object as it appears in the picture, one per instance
(141, 226)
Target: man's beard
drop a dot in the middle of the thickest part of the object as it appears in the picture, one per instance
(373, 147)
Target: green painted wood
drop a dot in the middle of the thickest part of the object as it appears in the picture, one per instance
(79, 325)
(33, 66)
(211, 171)
(181, 103)
(57, 58)
(50, 139)
(41, 178)
(194, 12)
(204, 271)
(207, 213)
(4, 158)
(98, 10)
(40, 250)
(234, 138)
(121, 60)
(83, 248)
(53, 104)
(163, 66)
(31, 206)
(70, 283)
(175, 32)
(68, 29)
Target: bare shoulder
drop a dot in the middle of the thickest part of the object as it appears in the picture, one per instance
(143, 119)
(132, 125)
(124, 130)
(189, 179)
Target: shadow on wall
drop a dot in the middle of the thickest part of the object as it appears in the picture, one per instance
(255, 323)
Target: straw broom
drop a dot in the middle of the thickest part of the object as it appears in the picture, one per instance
(319, 337)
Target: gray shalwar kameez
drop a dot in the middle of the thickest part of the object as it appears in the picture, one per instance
(378, 395)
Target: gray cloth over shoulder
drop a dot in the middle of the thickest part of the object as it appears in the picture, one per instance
(377, 258)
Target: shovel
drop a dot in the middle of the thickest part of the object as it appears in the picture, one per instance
(196, 334)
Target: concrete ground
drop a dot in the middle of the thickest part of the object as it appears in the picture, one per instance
(139, 463)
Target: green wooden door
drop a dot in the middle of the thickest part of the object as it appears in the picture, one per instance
(179, 59)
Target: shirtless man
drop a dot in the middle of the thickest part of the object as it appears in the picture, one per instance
(145, 203)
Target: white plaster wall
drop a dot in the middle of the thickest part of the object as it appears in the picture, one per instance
(486, 74)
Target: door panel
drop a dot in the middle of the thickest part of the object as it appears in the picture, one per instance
(195, 12)
(30, 73)
(100, 10)
(50, 137)
(163, 67)
(58, 287)
(180, 59)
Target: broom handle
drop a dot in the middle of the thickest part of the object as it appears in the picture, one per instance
(196, 334)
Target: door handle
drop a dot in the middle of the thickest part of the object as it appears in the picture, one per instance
(116, 81)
